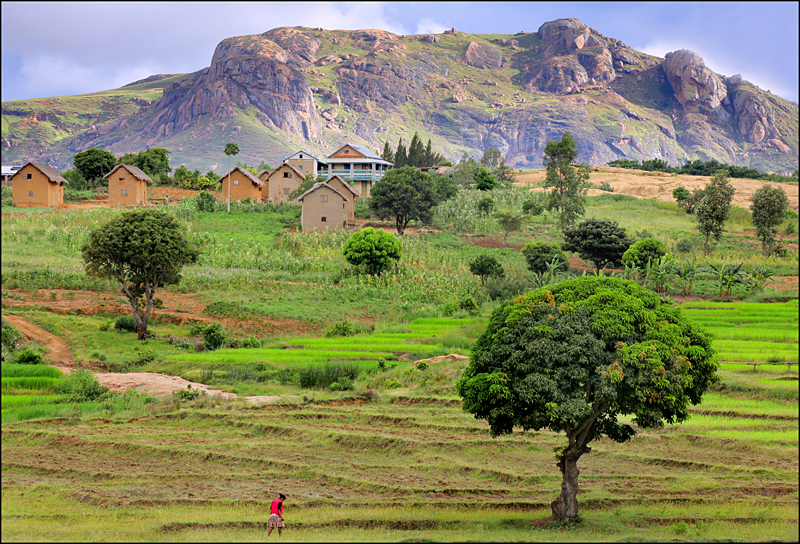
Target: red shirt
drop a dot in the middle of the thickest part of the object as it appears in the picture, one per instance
(277, 507)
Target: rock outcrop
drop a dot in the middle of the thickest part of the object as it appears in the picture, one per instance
(324, 87)
(483, 55)
(697, 88)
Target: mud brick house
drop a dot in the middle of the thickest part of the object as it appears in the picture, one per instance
(357, 165)
(324, 208)
(127, 186)
(37, 185)
(282, 181)
(346, 189)
(243, 185)
(305, 162)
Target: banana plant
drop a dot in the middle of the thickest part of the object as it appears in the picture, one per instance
(757, 278)
(688, 271)
(727, 276)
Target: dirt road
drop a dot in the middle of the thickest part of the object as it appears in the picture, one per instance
(158, 385)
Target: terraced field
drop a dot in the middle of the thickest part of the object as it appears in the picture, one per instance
(409, 465)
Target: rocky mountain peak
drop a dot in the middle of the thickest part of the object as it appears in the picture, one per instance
(697, 88)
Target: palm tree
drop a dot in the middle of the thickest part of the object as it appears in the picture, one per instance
(230, 149)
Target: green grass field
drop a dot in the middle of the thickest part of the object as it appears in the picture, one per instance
(395, 458)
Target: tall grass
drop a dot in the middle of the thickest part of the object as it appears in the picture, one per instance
(11, 370)
(40, 383)
(322, 376)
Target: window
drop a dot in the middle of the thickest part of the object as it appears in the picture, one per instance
(30, 193)
(300, 166)
(124, 192)
(346, 151)
(286, 191)
(301, 156)
(324, 198)
(324, 219)
(122, 179)
(236, 182)
(287, 174)
(29, 176)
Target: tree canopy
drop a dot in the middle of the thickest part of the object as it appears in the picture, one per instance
(373, 249)
(94, 163)
(485, 266)
(415, 155)
(143, 250)
(712, 210)
(566, 181)
(769, 205)
(406, 194)
(575, 356)
(153, 161)
(599, 241)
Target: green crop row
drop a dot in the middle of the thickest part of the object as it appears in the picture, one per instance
(10, 370)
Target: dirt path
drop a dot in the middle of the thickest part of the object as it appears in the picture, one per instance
(158, 385)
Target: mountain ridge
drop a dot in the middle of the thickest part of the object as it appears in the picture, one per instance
(301, 88)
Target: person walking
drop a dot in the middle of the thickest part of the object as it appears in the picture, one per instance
(276, 515)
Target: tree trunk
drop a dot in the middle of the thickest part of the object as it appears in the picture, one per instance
(705, 246)
(565, 507)
(142, 333)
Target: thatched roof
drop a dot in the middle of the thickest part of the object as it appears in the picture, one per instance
(135, 172)
(319, 185)
(347, 185)
(300, 173)
(49, 172)
(247, 174)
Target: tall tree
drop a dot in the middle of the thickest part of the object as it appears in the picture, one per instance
(94, 163)
(387, 154)
(491, 158)
(230, 150)
(153, 161)
(484, 180)
(400, 156)
(405, 194)
(143, 250)
(416, 153)
(509, 222)
(769, 205)
(566, 181)
(712, 211)
(576, 356)
(431, 158)
(599, 241)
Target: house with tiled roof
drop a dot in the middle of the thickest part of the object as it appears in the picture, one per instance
(305, 162)
(37, 185)
(357, 165)
(127, 186)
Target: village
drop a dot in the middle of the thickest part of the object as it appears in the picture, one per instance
(350, 173)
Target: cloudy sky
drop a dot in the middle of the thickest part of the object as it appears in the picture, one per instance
(65, 48)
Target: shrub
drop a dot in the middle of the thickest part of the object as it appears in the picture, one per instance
(342, 384)
(485, 266)
(532, 207)
(540, 254)
(684, 246)
(646, 249)
(10, 338)
(469, 305)
(599, 241)
(485, 205)
(81, 385)
(373, 249)
(29, 357)
(126, 323)
(214, 336)
(322, 376)
(206, 202)
(197, 329)
(250, 342)
(344, 328)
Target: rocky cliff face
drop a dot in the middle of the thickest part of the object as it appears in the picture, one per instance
(292, 88)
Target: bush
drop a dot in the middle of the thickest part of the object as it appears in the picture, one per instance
(532, 207)
(344, 328)
(540, 254)
(126, 323)
(469, 305)
(506, 288)
(81, 385)
(343, 384)
(646, 249)
(485, 266)
(206, 202)
(322, 376)
(214, 336)
(485, 205)
(373, 249)
(29, 357)
(10, 338)
(684, 246)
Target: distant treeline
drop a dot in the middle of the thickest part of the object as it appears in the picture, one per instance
(701, 168)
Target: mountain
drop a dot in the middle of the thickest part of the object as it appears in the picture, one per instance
(313, 89)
